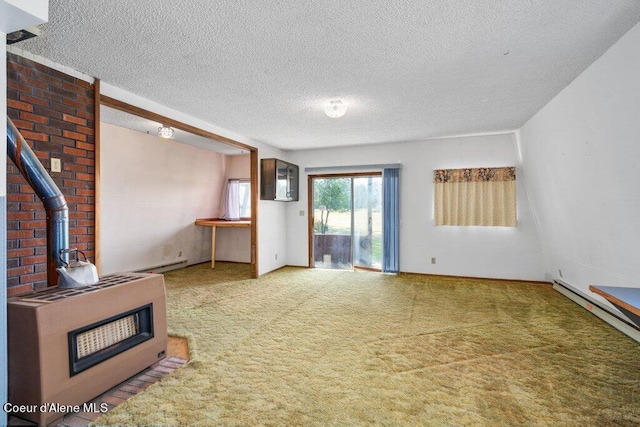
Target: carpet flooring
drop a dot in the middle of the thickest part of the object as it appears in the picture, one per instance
(320, 347)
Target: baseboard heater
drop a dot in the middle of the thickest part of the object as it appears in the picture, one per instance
(164, 267)
(602, 312)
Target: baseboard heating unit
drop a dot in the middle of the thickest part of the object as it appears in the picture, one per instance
(164, 267)
(67, 346)
(623, 325)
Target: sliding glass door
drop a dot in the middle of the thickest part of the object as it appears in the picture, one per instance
(332, 222)
(347, 221)
(367, 222)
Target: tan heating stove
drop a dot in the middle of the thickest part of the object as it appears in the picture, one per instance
(67, 346)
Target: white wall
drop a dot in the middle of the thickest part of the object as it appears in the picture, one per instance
(496, 252)
(20, 14)
(581, 157)
(152, 191)
(272, 225)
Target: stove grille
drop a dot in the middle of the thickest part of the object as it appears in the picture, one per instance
(94, 340)
(57, 294)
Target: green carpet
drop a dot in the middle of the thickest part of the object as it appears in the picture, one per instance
(318, 347)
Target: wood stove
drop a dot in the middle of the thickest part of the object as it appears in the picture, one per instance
(67, 346)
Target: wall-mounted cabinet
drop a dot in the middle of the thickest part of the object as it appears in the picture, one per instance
(278, 180)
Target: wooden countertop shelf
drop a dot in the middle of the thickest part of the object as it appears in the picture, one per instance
(627, 300)
(214, 223)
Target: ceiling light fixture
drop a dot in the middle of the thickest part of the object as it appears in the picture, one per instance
(165, 132)
(335, 108)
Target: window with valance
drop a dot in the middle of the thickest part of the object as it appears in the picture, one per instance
(475, 196)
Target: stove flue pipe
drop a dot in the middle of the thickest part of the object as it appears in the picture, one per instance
(46, 189)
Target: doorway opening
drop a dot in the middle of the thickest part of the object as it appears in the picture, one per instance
(346, 221)
(189, 134)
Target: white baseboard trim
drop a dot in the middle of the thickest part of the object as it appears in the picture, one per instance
(604, 314)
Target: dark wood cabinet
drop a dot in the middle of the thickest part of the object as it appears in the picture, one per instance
(278, 180)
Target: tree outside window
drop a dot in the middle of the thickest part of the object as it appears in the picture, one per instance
(331, 195)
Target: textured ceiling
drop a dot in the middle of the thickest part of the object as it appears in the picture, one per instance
(409, 70)
(140, 124)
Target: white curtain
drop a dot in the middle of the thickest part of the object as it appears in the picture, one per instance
(482, 196)
(232, 212)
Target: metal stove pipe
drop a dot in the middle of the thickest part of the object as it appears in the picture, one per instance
(46, 189)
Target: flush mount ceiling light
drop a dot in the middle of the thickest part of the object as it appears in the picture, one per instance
(335, 108)
(165, 132)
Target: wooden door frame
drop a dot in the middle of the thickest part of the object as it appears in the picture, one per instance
(253, 151)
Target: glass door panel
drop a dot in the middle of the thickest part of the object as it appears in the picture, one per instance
(332, 223)
(367, 222)
(282, 180)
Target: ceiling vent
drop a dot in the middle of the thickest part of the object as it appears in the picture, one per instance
(20, 35)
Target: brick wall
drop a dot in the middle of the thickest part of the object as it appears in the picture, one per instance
(54, 113)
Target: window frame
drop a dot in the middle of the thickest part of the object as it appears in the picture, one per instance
(244, 182)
